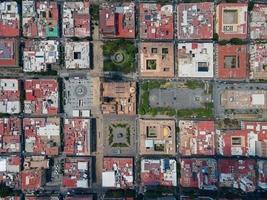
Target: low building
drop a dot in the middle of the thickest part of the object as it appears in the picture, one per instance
(199, 173)
(10, 96)
(40, 19)
(41, 97)
(196, 138)
(79, 197)
(117, 20)
(8, 53)
(78, 93)
(162, 172)
(238, 174)
(32, 180)
(231, 20)
(9, 19)
(10, 167)
(117, 172)
(77, 172)
(77, 55)
(258, 60)
(118, 98)
(231, 62)
(195, 20)
(156, 59)
(76, 19)
(195, 60)
(42, 136)
(38, 54)
(157, 136)
(262, 174)
(156, 21)
(250, 140)
(77, 136)
(10, 135)
(258, 22)
(35, 162)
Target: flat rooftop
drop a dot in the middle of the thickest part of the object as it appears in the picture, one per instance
(10, 135)
(197, 138)
(77, 172)
(249, 140)
(231, 20)
(76, 19)
(40, 19)
(41, 97)
(199, 173)
(232, 62)
(258, 61)
(262, 174)
(117, 20)
(237, 173)
(77, 136)
(156, 21)
(42, 136)
(158, 171)
(117, 172)
(195, 60)
(10, 96)
(38, 54)
(8, 53)
(9, 19)
(156, 59)
(258, 22)
(77, 55)
(195, 20)
(9, 171)
(157, 136)
(118, 98)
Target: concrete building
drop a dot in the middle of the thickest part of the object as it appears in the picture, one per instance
(238, 174)
(118, 98)
(231, 20)
(117, 172)
(156, 60)
(10, 96)
(199, 173)
(77, 172)
(9, 19)
(258, 22)
(42, 136)
(157, 137)
(77, 55)
(117, 20)
(9, 171)
(40, 19)
(8, 53)
(10, 135)
(38, 54)
(161, 172)
(76, 19)
(258, 61)
(195, 60)
(77, 136)
(195, 20)
(41, 97)
(262, 174)
(231, 62)
(197, 138)
(156, 21)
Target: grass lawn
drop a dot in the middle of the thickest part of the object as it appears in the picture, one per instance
(119, 55)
